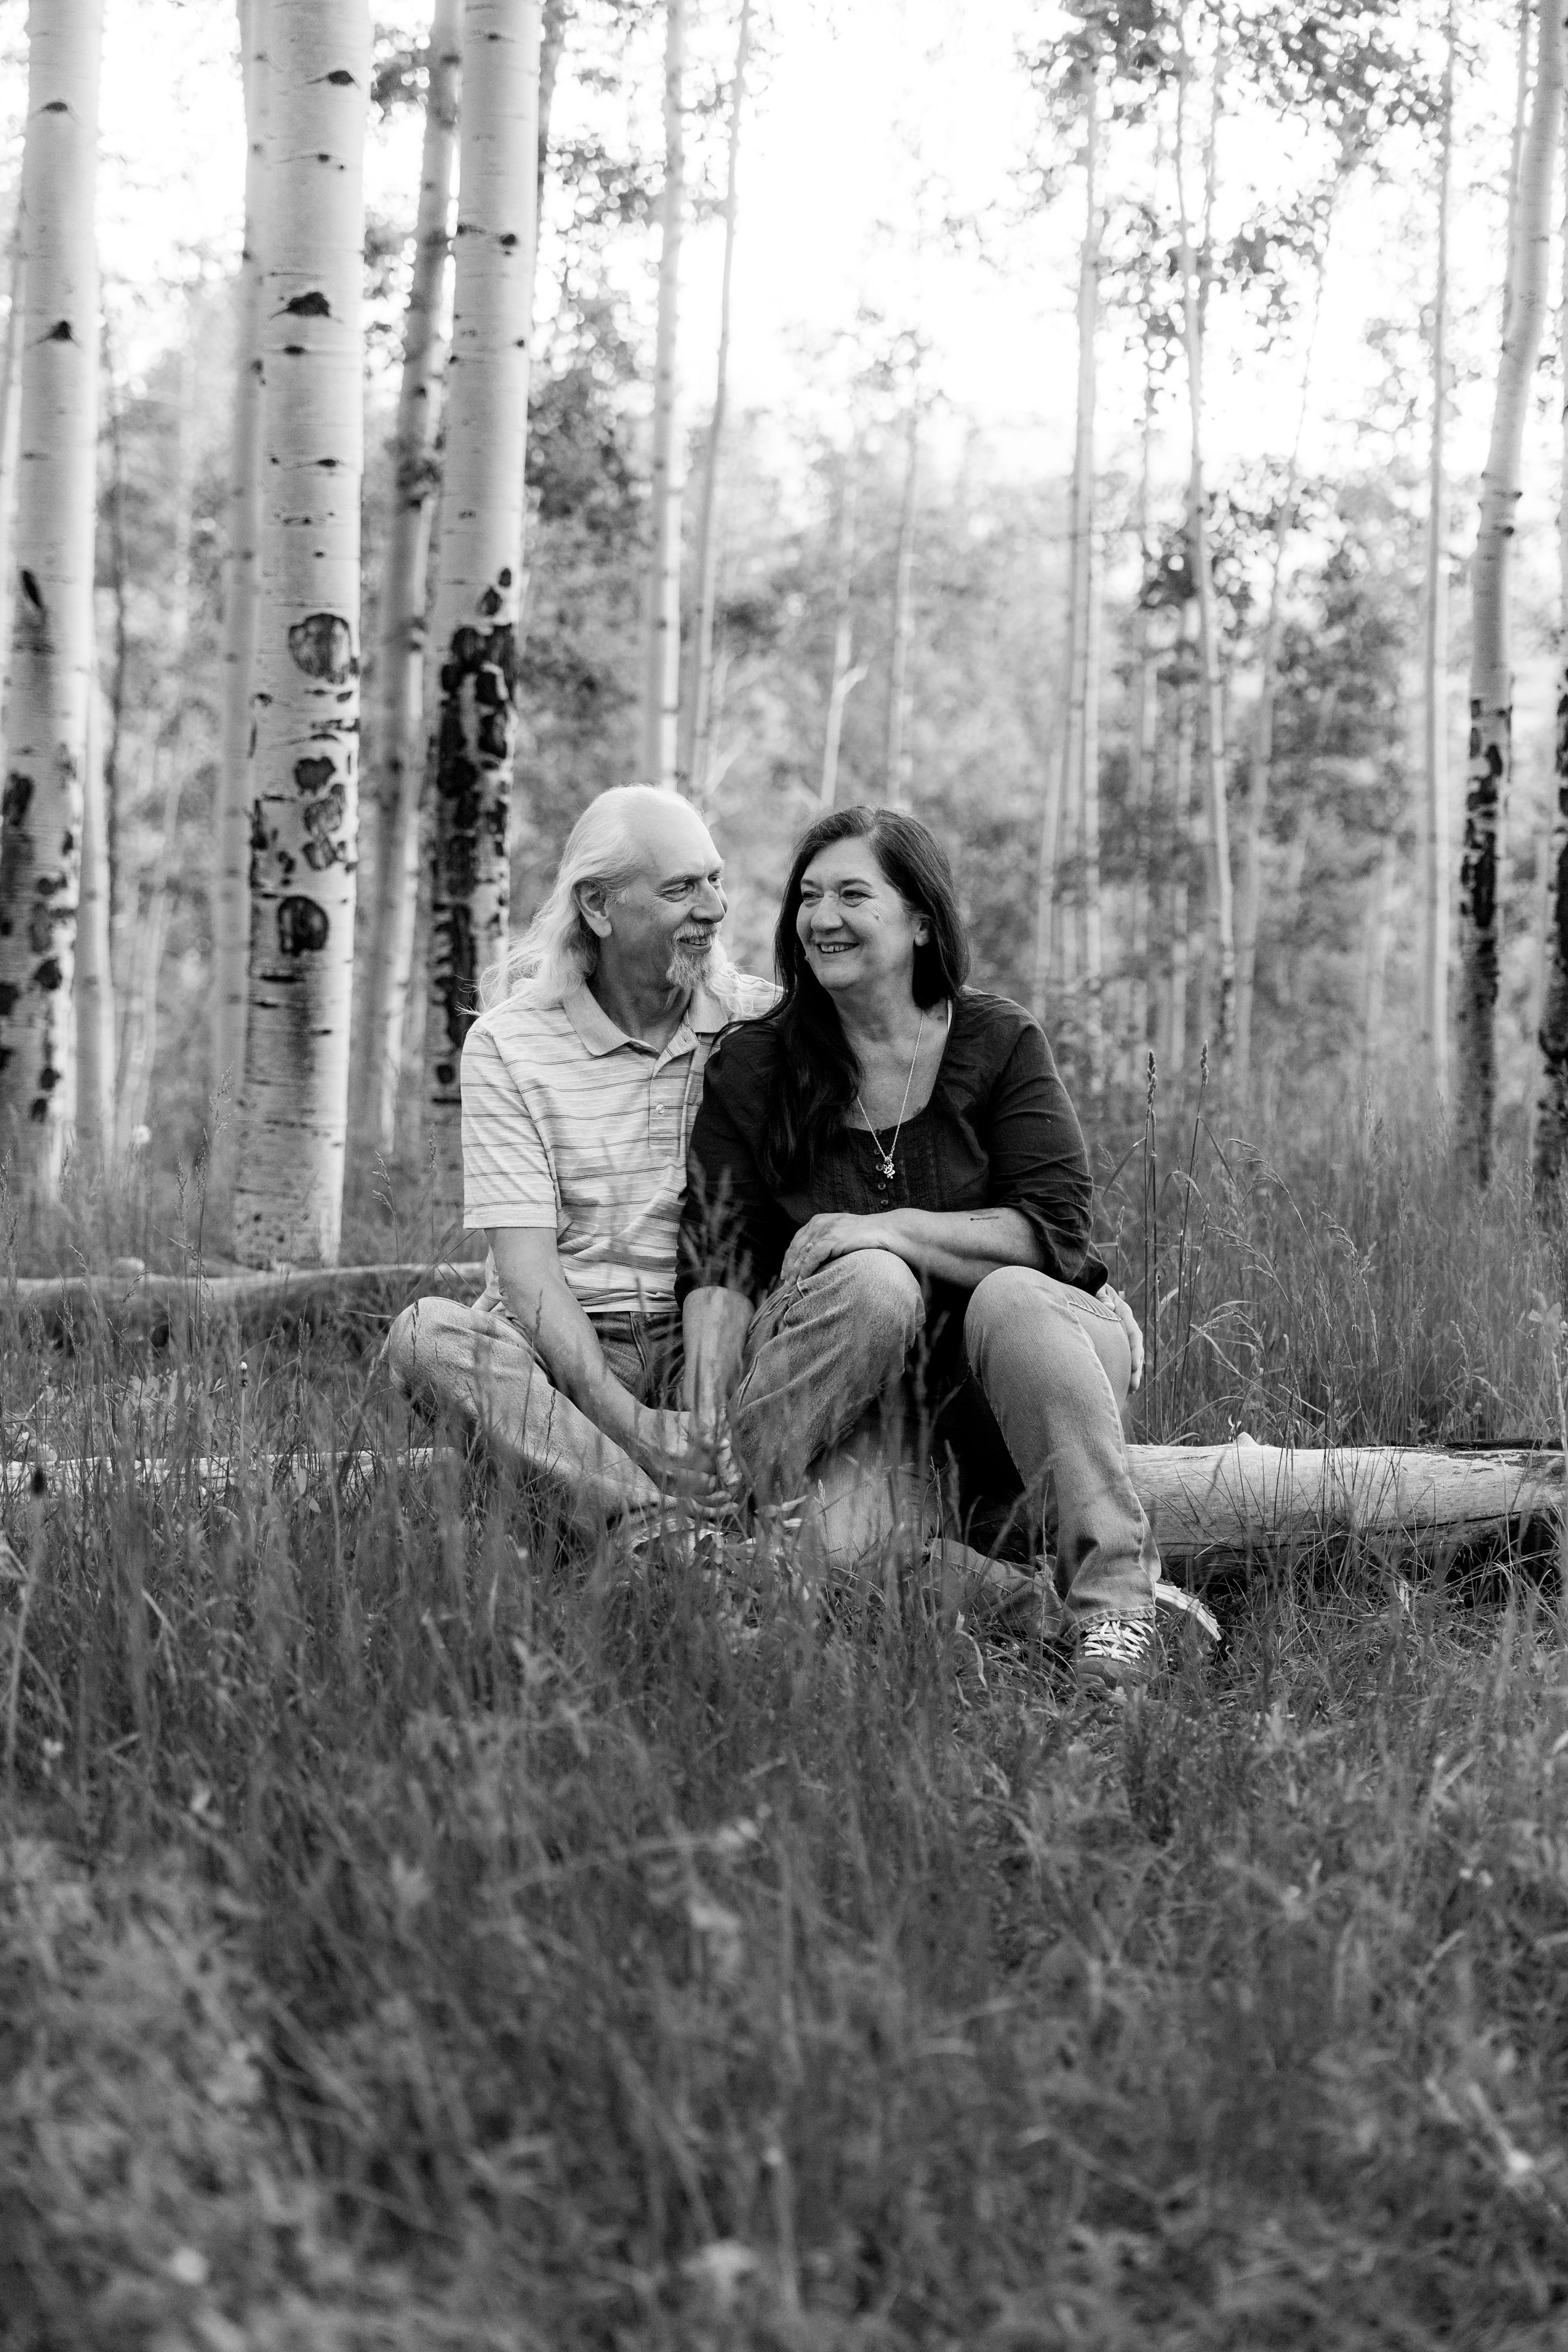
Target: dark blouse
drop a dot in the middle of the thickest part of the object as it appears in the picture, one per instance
(998, 1133)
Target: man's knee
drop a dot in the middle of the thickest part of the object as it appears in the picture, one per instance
(414, 1348)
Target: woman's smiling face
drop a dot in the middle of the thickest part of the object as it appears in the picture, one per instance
(855, 926)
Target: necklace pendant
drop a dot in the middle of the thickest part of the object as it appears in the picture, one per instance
(888, 1170)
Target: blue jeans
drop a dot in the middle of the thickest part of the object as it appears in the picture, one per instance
(831, 1373)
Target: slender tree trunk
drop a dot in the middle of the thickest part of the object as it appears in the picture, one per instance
(1435, 862)
(1491, 682)
(231, 879)
(846, 674)
(699, 695)
(1203, 576)
(1249, 899)
(1182, 850)
(661, 638)
(1374, 972)
(1088, 838)
(1073, 937)
(11, 424)
(294, 1105)
(401, 666)
(556, 16)
(95, 1029)
(1143, 735)
(144, 963)
(474, 732)
(897, 753)
(115, 793)
(1551, 1099)
(40, 829)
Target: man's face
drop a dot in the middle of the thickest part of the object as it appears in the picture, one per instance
(663, 924)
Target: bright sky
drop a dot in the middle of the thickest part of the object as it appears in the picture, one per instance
(858, 105)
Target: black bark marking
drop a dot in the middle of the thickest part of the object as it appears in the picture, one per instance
(18, 795)
(302, 926)
(504, 576)
(341, 78)
(60, 333)
(293, 351)
(313, 776)
(313, 305)
(322, 646)
(55, 106)
(30, 589)
(489, 604)
(48, 976)
(507, 241)
(48, 1079)
(68, 842)
(7, 999)
(38, 1110)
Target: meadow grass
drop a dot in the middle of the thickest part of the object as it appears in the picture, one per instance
(414, 1931)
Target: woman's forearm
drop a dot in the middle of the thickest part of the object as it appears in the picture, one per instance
(713, 1327)
(963, 1245)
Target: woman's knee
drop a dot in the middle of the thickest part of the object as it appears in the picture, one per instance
(1009, 1297)
(884, 1290)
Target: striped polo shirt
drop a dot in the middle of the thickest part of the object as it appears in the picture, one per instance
(570, 1125)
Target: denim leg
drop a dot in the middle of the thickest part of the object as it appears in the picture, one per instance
(475, 1365)
(1054, 1366)
(821, 1355)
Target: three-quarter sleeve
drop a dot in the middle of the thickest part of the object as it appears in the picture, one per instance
(1039, 1163)
(733, 1233)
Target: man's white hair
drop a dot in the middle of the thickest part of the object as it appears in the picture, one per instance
(558, 950)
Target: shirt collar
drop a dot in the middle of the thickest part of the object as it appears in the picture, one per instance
(705, 1014)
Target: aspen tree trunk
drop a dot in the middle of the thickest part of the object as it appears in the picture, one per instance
(1249, 899)
(897, 754)
(231, 879)
(556, 16)
(700, 696)
(1089, 860)
(115, 792)
(1551, 1098)
(1491, 683)
(144, 962)
(1072, 937)
(95, 1030)
(1374, 972)
(1182, 809)
(305, 766)
(1143, 736)
(401, 666)
(1435, 862)
(51, 674)
(846, 674)
(661, 633)
(473, 729)
(11, 424)
(1197, 540)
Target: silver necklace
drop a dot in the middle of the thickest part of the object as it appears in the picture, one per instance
(885, 1157)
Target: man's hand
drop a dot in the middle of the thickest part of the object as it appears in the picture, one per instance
(667, 1445)
(835, 1234)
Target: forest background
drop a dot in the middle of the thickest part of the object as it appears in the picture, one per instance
(895, 506)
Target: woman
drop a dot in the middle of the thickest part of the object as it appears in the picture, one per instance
(888, 1198)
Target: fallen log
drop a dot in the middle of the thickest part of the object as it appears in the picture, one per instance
(1206, 1503)
(131, 1300)
(1242, 1498)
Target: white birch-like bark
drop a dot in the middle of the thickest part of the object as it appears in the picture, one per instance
(305, 764)
(1435, 829)
(231, 847)
(1250, 898)
(1181, 795)
(11, 424)
(1198, 542)
(1491, 680)
(697, 710)
(846, 673)
(1090, 967)
(95, 1027)
(1374, 970)
(51, 675)
(661, 629)
(899, 695)
(1551, 1137)
(401, 666)
(474, 726)
(1144, 732)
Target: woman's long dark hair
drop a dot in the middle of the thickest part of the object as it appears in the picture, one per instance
(816, 1076)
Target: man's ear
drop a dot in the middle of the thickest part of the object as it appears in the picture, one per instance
(593, 905)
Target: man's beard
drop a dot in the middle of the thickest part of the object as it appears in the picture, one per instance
(688, 965)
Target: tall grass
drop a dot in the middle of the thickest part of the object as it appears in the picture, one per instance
(417, 1931)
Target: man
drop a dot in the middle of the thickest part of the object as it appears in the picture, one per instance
(581, 1081)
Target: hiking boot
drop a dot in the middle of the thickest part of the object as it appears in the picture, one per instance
(1117, 1654)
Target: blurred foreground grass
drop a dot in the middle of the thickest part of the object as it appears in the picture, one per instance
(412, 1934)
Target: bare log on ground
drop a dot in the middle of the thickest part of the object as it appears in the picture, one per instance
(1248, 1498)
(143, 1301)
